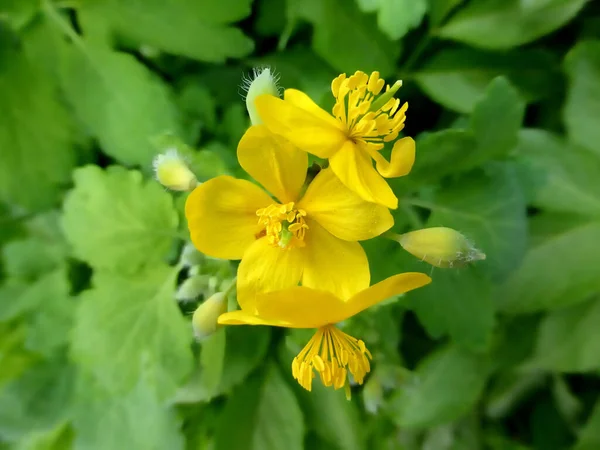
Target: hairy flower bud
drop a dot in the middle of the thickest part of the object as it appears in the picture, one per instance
(172, 171)
(440, 247)
(204, 320)
(263, 81)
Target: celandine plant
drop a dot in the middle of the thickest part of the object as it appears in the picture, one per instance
(298, 238)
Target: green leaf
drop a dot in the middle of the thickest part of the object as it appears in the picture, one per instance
(27, 297)
(38, 400)
(35, 133)
(559, 176)
(568, 340)
(41, 250)
(58, 438)
(489, 209)
(503, 24)
(559, 272)
(457, 303)
(439, 10)
(226, 359)
(116, 221)
(583, 96)
(136, 419)
(364, 48)
(18, 13)
(445, 386)
(14, 359)
(441, 153)
(496, 121)
(397, 17)
(589, 436)
(198, 30)
(119, 100)
(457, 78)
(124, 320)
(262, 414)
(333, 418)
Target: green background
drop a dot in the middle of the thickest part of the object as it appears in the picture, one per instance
(97, 353)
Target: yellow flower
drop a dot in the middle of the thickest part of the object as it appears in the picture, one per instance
(308, 238)
(333, 354)
(363, 119)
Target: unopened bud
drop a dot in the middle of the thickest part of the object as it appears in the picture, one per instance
(440, 247)
(172, 171)
(262, 82)
(204, 320)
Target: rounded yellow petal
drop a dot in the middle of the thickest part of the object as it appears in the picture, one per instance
(401, 160)
(266, 268)
(301, 100)
(241, 317)
(342, 212)
(334, 265)
(221, 216)
(394, 285)
(354, 168)
(274, 162)
(307, 131)
(301, 307)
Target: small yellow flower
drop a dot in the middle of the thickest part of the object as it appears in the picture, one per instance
(363, 119)
(331, 353)
(309, 238)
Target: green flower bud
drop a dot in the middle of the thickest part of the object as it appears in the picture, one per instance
(172, 171)
(440, 247)
(204, 320)
(263, 81)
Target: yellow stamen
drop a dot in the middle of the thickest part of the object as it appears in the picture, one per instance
(359, 107)
(285, 226)
(333, 354)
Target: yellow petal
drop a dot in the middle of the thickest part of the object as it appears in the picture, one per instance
(394, 285)
(274, 162)
(401, 161)
(342, 212)
(301, 307)
(354, 168)
(221, 216)
(301, 100)
(245, 318)
(333, 265)
(266, 268)
(307, 131)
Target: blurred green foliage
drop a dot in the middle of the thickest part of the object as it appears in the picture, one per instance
(96, 353)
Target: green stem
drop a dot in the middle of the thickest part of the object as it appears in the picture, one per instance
(419, 203)
(231, 287)
(416, 54)
(62, 24)
(391, 235)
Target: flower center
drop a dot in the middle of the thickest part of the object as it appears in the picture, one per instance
(284, 225)
(368, 116)
(332, 353)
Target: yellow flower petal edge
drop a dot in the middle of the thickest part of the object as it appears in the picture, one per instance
(221, 216)
(341, 211)
(302, 127)
(331, 353)
(274, 162)
(353, 166)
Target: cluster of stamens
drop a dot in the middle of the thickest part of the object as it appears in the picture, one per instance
(332, 353)
(284, 225)
(368, 116)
